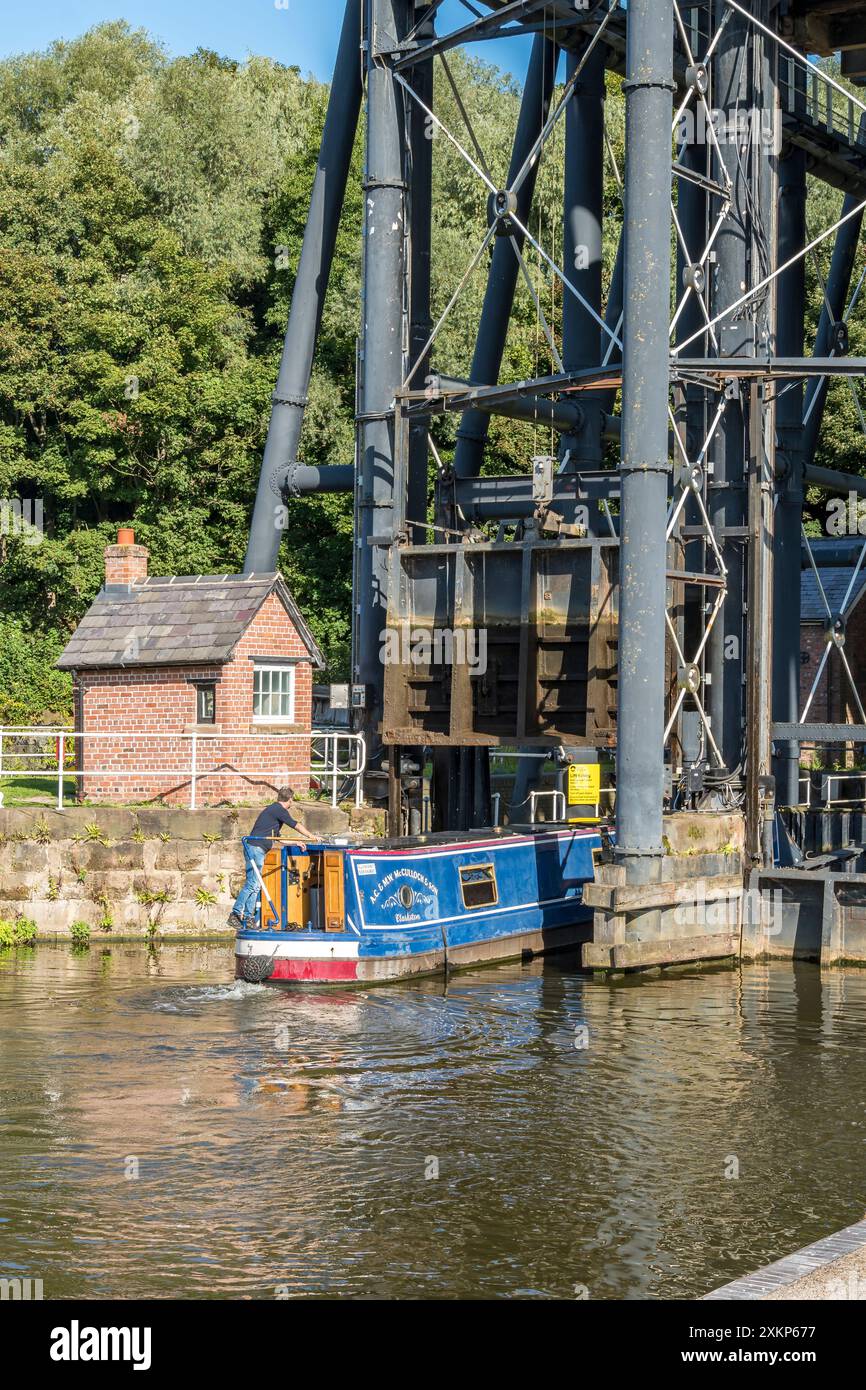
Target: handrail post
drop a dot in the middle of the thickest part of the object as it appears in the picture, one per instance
(334, 777)
(193, 760)
(61, 753)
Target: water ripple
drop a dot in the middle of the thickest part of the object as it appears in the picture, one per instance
(523, 1131)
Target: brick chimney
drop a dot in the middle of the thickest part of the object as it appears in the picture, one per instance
(126, 562)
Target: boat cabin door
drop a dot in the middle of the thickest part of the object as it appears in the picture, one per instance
(306, 890)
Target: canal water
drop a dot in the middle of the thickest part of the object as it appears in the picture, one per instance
(521, 1132)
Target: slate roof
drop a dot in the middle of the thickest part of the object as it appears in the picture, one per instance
(195, 619)
(835, 580)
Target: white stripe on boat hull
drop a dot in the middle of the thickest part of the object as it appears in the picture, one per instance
(298, 950)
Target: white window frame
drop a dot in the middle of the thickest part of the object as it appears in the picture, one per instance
(284, 669)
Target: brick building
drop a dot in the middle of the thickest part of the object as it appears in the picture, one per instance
(208, 675)
(833, 700)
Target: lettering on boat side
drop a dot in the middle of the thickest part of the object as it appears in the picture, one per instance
(411, 889)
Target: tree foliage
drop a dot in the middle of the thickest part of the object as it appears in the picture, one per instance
(151, 213)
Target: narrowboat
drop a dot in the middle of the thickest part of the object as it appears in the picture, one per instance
(364, 912)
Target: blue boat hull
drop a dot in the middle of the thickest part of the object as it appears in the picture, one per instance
(425, 906)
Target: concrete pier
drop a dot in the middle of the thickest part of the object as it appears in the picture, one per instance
(831, 1269)
(691, 911)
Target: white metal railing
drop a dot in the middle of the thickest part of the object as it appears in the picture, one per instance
(606, 794)
(336, 754)
(807, 792)
(827, 780)
(558, 800)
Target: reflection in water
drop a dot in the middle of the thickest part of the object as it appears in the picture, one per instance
(291, 1140)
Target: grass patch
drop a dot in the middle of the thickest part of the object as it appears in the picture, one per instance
(19, 790)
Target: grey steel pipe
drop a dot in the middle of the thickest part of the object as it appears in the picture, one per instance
(584, 209)
(502, 277)
(308, 297)
(382, 361)
(583, 340)
(645, 465)
(307, 479)
(833, 480)
(539, 410)
(421, 228)
(564, 416)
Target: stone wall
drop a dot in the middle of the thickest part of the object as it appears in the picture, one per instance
(129, 873)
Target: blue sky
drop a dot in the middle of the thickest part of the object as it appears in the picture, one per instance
(305, 33)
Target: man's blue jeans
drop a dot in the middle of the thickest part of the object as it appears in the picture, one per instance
(245, 903)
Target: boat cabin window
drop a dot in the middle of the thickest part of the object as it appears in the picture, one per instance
(478, 885)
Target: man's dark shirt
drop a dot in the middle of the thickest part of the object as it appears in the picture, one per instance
(269, 825)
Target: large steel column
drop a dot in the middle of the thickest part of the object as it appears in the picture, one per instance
(644, 466)
(421, 200)
(383, 350)
(791, 310)
(582, 247)
(502, 277)
(308, 297)
(732, 94)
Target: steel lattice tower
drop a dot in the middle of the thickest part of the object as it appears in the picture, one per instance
(696, 527)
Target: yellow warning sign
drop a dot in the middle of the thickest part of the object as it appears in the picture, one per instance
(584, 784)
